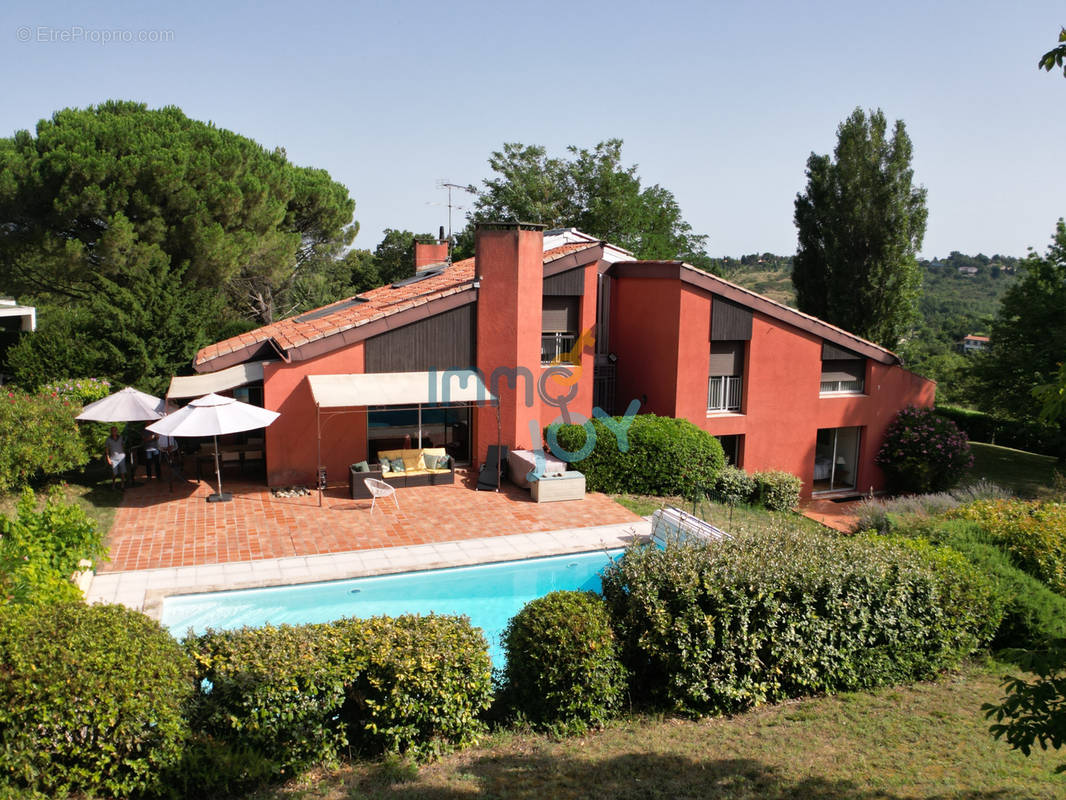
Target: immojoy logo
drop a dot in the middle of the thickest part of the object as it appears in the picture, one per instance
(562, 371)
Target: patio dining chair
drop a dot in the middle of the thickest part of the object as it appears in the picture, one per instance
(380, 489)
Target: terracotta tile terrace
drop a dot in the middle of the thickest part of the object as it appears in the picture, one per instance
(156, 527)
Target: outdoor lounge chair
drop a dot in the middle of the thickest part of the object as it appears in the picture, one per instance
(494, 469)
(380, 489)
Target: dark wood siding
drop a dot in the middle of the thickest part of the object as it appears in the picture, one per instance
(444, 341)
(729, 321)
(833, 352)
(571, 282)
(560, 315)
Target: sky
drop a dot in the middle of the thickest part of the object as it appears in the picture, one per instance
(721, 103)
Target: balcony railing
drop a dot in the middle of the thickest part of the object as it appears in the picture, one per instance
(724, 392)
(841, 387)
(556, 347)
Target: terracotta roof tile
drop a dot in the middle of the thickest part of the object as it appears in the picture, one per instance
(380, 302)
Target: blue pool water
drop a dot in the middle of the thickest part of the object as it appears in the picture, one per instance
(489, 594)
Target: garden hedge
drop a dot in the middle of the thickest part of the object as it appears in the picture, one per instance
(92, 700)
(563, 670)
(760, 618)
(1034, 437)
(658, 455)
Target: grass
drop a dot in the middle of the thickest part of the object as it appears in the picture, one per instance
(1025, 474)
(90, 490)
(737, 518)
(925, 741)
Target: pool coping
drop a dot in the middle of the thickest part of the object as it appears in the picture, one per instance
(145, 590)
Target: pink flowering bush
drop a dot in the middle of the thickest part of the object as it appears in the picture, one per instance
(923, 452)
(79, 391)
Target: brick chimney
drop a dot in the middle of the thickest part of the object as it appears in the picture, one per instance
(430, 255)
(509, 264)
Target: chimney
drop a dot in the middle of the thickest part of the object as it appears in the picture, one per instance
(509, 266)
(430, 256)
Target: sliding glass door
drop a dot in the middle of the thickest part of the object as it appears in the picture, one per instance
(439, 425)
(836, 459)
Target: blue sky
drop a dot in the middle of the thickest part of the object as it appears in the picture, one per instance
(719, 102)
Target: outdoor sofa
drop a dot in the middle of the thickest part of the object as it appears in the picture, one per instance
(414, 473)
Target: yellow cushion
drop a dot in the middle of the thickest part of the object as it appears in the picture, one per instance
(390, 454)
(412, 460)
(434, 451)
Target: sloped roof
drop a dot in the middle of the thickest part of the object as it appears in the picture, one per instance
(343, 317)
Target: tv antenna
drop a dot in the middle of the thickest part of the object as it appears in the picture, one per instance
(444, 183)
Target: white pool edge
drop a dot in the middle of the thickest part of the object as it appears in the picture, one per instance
(144, 590)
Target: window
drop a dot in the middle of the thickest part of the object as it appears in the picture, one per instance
(836, 459)
(733, 447)
(725, 383)
(559, 329)
(843, 372)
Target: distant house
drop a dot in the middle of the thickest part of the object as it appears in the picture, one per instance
(968, 272)
(558, 324)
(971, 343)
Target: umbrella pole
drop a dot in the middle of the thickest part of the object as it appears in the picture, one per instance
(218, 498)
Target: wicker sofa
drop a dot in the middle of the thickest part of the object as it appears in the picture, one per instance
(415, 472)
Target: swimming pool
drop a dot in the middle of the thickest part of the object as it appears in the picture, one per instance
(490, 594)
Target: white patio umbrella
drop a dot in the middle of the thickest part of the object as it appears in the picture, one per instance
(127, 405)
(214, 415)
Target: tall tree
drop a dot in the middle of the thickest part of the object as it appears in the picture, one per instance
(1028, 336)
(592, 191)
(1055, 58)
(861, 221)
(223, 211)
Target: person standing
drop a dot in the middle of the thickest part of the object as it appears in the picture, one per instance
(151, 455)
(115, 452)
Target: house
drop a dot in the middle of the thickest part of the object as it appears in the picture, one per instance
(542, 326)
(971, 343)
(967, 272)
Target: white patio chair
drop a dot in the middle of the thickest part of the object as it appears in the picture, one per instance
(380, 489)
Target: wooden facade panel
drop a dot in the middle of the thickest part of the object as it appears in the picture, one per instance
(834, 352)
(729, 321)
(443, 341)
(570, 283)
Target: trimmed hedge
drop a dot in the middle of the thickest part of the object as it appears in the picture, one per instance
(1031, 436)
(91, 699)
(776, 490)
(659, 455)
(300, 694)
(761, 618)
(734, 486)
(562, 667)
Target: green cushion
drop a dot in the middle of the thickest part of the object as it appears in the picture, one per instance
(362, 466)
(436, 462)
(396, 465)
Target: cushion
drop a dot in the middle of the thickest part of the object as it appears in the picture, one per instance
(396, 465)
(362, 466)
(412, 460)
(433, 461)
(386, 465)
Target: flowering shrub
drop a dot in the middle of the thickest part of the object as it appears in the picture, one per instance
(39, 436)
(923, 452)
(79, 391)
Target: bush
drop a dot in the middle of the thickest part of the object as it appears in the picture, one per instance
(1033, 533)
(275, 691)
(777, 491)
(91, 699)
(760, 618)
(41, 547)
(1033, 615)
(562, 667)
(875, 514)
(417, 684)
(40, 436)
(80, 392)
(1034, 437)
(299, 694)
(734, 486)
(663, 456)
(923, 452)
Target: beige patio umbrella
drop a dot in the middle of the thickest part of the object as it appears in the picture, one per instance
(126, 405)
(214, 415)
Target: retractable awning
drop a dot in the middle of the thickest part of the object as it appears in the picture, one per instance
(399, 388)
(199, 385)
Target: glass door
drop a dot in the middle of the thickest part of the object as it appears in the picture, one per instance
(836, 459)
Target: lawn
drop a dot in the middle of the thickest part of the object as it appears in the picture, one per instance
(737, 518)
(1023, 473)
(928, 740)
